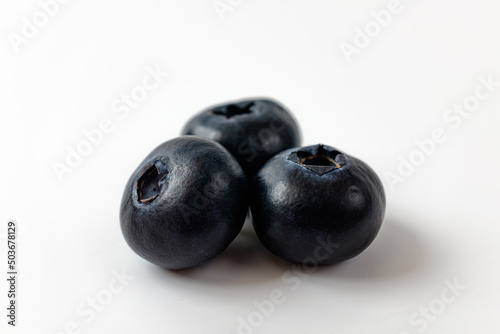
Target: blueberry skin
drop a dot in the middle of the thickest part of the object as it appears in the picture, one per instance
(253, 130)
(316, 204)
(185, 203)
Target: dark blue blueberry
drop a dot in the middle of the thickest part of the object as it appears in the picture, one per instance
(253, 130)
(316, 204)
(185, 203)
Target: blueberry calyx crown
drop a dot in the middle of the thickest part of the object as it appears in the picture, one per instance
(151, 182)
(244, 107)
(318, 159)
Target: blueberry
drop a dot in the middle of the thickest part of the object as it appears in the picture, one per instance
(185, 203)
(316, 204)
(253, 130)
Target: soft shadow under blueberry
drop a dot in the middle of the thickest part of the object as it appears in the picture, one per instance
(245, 262)
(397, 251)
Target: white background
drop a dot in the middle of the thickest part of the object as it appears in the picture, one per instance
(442, 221)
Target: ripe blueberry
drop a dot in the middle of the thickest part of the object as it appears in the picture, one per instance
(185, 203)
(316, 204)
(253, 130)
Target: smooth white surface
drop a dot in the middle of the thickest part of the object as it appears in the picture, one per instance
(442, 221)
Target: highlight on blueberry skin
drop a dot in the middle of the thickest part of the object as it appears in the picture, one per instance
(184, 204)
(253, 130)
(318, 203)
